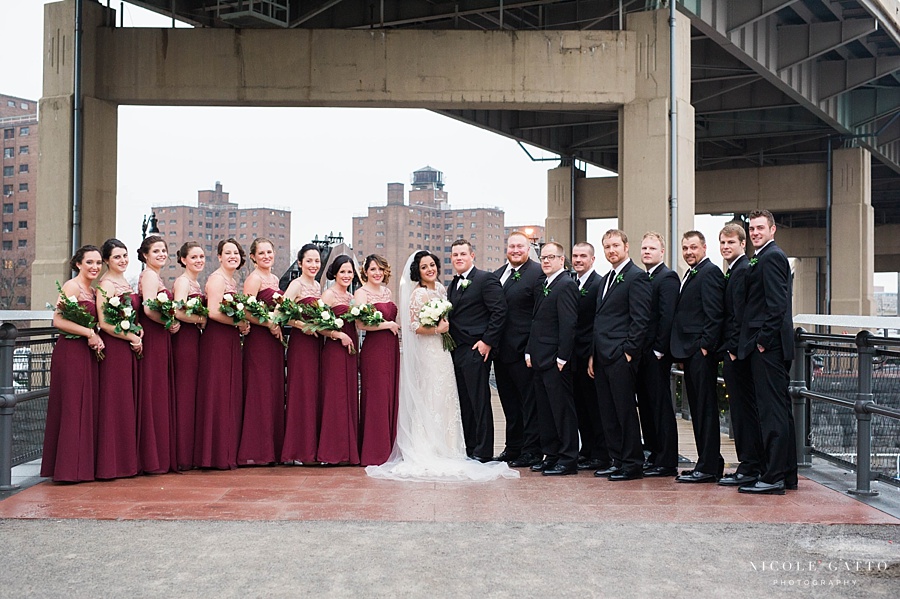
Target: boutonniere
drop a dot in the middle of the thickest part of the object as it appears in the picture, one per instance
(546, 290)
(583, 291)
(464, 284)
(619, 278)
(693, 271)
(753, 261)
(650, 275)
(517, 275)
(727, 275)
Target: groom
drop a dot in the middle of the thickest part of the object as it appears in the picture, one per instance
(476, 323)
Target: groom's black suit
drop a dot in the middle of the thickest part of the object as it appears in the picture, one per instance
(479, 312)
(523, 434)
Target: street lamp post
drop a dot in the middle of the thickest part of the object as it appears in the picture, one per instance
(153, 223)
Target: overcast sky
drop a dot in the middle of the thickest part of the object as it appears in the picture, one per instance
(325, 164)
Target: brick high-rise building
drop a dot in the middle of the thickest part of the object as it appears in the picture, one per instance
(19, 123)
(428, 222)
(215, 218)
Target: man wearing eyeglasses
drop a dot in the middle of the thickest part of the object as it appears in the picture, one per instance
(620, 329)
(551, 342)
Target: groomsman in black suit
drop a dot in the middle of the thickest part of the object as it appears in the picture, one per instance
(766, 341)
(620, 330)
(594, 453)
(476, 323)
(696, 335)
(657, 413)
(549, 353)
(519, 278)
(738, 380)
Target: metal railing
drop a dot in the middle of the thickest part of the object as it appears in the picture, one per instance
(24, 386)
(835, 382)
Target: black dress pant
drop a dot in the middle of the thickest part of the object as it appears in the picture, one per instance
(473, 384)
(514, 385)
(556, 411)
(700, 373)
(773, 404)
(744, 419)
(618, 411)
(658, 426)
(587, 407)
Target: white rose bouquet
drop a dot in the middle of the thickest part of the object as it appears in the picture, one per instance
(367, 314)
(431, 315)
(235, 306)
(164, 306)
(192, 306)
(72, 311)
(118, 312)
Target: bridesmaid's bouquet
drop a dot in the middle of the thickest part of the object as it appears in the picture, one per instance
(286, 310)
(72, 311)
(164, 307)
(118, 312)
(430, 316)
(264, 313)
(192, 306)
(235, 306)
(367, 314)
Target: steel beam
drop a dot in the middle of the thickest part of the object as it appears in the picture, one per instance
(746, 12)
(840, 76)
(800, 43)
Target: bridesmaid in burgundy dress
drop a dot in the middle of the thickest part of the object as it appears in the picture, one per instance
(219, 390)
(303, 413)
(186, 351)
(156, 402)
(262, 434)
(379, 366)
(117, 448)
(339, 380)
(70, 435)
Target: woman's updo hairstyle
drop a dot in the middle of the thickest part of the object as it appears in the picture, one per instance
(147, 244)
(184, 250)
(78, 258)
(335, 266)
(304, 249)
(109, 245)
(240, 250)
(414, 267)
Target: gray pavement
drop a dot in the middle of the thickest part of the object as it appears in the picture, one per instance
(83, 558)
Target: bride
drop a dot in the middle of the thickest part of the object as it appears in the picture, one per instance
(429, 445)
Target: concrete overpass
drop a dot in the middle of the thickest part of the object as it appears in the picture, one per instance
(787, 104)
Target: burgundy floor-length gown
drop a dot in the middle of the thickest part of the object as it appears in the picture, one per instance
(70, 435)
(339, 385)
(262, 433)
(156, 400)
(379, 374)
(117, 445)
(218, 425)
(186, 351)
(303, 410)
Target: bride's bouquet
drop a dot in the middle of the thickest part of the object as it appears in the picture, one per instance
(430, 316)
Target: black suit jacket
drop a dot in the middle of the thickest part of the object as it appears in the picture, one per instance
(587, 307)
(621, 317)
(700, 312)
(479, 310)
(735, 297)
(519, 294)
(663, 297)
(552, 332)
(767, 313)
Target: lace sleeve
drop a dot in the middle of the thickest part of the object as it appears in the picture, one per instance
(419, 299)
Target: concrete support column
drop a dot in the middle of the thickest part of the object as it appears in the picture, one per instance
(55, 173)
(806, 279)
(644, 140)
(559, 207)
(853, 237)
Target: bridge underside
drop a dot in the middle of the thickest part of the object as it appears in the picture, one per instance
(761, 85)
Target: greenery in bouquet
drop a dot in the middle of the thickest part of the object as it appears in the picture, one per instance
(163, 306)
(234, 305)
(71, 310)
(118, 312)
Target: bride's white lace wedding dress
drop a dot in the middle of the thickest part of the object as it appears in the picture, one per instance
(429, 445)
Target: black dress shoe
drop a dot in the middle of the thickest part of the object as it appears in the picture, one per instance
(627, 474)
(483, 460)
(543, 465)
(661, 471)
(526, 460)
(560, 470)
(738, 480)
(790, 486)
(761, 488)
(696, 477)
(592, 464)
(604, 473)
(506, 456)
